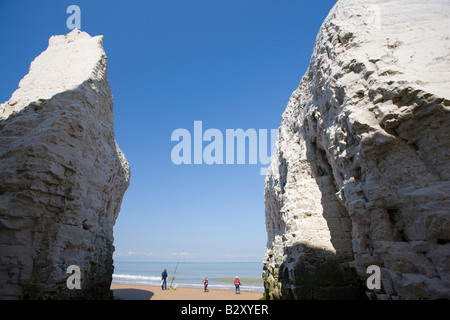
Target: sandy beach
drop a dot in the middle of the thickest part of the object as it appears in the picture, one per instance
(142, 292)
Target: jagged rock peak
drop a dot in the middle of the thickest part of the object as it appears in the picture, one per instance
(62, 175)
(67, 62)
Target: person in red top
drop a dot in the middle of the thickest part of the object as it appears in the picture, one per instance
(237, 284)
(205, 284)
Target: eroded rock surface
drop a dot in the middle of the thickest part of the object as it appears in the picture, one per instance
(62, 175)
(361, 171)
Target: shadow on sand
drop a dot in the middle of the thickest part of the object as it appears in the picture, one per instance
(132, 294)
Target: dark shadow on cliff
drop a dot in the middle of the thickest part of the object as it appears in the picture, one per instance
(311, 273)
(337, 217)
(318, 274)
(132, 294)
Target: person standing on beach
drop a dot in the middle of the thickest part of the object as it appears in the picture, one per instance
(237, 284)
(164, 280)
(205, 284)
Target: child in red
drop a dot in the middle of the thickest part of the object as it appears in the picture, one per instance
(237, 284)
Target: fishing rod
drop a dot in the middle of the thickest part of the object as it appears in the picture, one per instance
(173, 277)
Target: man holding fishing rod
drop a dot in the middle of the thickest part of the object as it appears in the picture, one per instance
(164, 278)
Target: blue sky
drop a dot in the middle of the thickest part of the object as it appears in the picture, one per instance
(230, 64)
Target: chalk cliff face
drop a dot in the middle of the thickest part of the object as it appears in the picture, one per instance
(361, 171)
(62, 175)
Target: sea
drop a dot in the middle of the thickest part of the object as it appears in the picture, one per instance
(220, 275)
